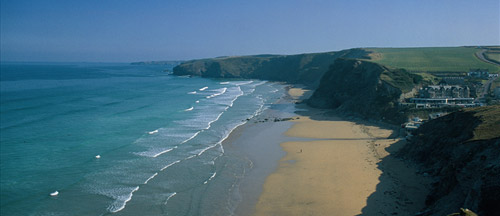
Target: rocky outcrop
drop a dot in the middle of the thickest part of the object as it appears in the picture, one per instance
(304, 68)
(363, 88)
(462, 151)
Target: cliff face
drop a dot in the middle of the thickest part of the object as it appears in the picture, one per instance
(304, 68)
(365, 88)
(462, 151)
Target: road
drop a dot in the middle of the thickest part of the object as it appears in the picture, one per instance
(486, 87)
(480, 56)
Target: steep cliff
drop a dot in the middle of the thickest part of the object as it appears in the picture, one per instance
(462, 151)
(304, 68)
(363, 88)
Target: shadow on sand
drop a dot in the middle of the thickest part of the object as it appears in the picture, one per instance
(400, 191)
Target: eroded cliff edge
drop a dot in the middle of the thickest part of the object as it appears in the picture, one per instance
(462, 152)
(303, 68)
(364, 88)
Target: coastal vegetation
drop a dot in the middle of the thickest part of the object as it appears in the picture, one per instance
(303, 68)
(364, 88)
(347, 84)
(493, 54)
(461, 151)
(431, 59)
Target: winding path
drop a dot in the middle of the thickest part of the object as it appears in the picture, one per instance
(480, 55)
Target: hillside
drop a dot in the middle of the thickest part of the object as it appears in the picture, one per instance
(364, 88)
(303, 68)
(371, 86)
(462, 152)
(430, 59)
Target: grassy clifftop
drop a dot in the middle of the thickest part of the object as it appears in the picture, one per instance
(308, 68)
(303, 68)
(430, 59)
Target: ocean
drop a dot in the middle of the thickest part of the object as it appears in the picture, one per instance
(121, 139)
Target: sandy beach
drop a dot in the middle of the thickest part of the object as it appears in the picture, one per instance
(339, 167)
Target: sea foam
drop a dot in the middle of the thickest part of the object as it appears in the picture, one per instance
(169, 197)
(121, 201)
(151, 177)
(211, 177)
(221, 91)
(169, 165)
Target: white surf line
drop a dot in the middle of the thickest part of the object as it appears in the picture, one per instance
(237, 96)
(244, 83)
(192, 156)
(205, 149)
(169, 165)
(164, 151)
(153, 132)
(126, 200)
(217, 94)
(190, 138)
(169, 197)
(220, 141)
(260, 83)
(216, 119)
(154, 175)
(193, 92)
(189, 109)
(204, 88)
(211, 177)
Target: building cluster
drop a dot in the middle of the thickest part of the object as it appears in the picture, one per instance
(481, 73)
(443, 95)
(444, 91)
(478, 73)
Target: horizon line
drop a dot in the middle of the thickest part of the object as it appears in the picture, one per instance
(223, 56)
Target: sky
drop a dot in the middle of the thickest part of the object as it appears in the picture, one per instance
(142, 30)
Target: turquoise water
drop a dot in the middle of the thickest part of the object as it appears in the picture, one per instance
(158, 137)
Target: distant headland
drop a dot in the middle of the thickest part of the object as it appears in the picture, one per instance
(444, 100)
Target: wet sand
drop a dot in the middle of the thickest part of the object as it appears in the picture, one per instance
(339, 168)
(258, 141)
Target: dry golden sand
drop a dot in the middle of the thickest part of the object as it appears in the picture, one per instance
(324, 177)
(337, 172)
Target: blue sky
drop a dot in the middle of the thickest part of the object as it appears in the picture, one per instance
(124, 31)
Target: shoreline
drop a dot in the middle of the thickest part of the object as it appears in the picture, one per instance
(303, 167)
(258, 141)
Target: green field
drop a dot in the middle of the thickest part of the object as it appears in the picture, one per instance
(431, 59)
(493, 55)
